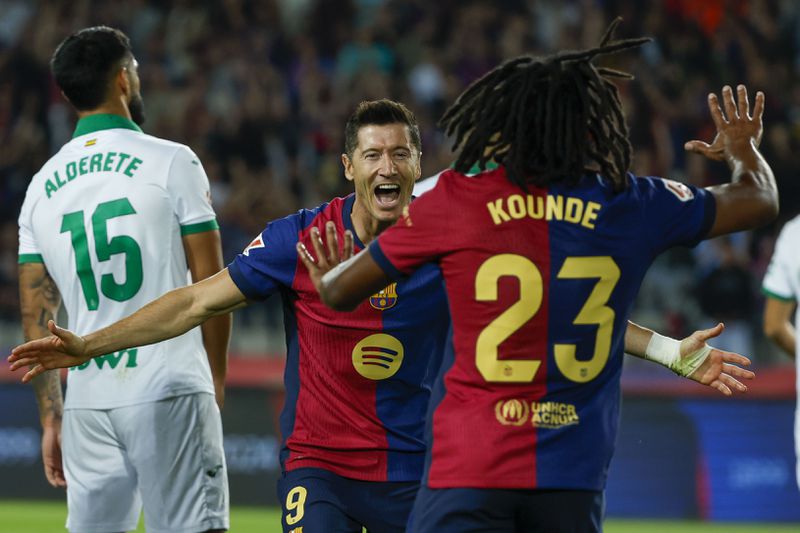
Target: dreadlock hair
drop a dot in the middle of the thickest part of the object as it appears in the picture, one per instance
(545, 119)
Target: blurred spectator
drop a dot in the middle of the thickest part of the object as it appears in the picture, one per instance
(727, 294)
(260, 90)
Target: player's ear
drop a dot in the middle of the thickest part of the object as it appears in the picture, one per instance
(348, 167)
(418, 167)
(122, 82)
(65, 97)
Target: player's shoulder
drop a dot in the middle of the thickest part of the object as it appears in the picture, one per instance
(290, 225)
(319, 215)
(35, 186)
(645, 184)
(280, 235)
(161, 146)
(65, 153)
(641, 184)
(655, 191)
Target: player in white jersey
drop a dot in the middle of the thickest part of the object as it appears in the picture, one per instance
(115, 219)
(782, 289)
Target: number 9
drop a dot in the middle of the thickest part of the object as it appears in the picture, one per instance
(295, 505)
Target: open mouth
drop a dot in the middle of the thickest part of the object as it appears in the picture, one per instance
(387, 194)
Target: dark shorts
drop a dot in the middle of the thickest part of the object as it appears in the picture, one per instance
(502, 510)
(320, 501)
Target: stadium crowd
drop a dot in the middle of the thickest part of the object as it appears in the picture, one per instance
(260, 90)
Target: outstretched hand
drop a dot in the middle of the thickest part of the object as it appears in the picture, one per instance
(719, 370)
(327, 253)
(735, 127)
(60, 350)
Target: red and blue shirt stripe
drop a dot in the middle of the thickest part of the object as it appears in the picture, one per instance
(357, 384)
(540, 286)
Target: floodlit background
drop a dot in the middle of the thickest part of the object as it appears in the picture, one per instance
(261, 90)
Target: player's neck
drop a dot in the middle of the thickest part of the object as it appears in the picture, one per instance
(108, 108)
(365, 225)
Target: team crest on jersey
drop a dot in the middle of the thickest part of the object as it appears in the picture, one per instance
(258, 242)
(511, 412)
(385, 298)
(681, 191)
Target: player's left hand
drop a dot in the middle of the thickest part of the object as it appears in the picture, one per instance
(62, 349)
(326, 254)
(736, 127)
(719, 370)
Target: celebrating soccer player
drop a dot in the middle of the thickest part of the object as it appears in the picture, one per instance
(357, 384)
(542, 258)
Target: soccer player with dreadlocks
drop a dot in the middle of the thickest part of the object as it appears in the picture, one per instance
(542, 259)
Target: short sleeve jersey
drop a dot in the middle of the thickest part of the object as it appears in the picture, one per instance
(540, 286)
(782, 282)
(358, 383)
(106, 216)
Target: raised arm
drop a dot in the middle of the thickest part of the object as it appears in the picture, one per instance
(173, 314)
(39, 304)
(204, 257)
(750, 200)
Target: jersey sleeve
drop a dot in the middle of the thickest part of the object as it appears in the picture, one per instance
(782, 267)
(416, 238)
(189, 191)
(674, 213)
(29, 251)
(269, 261)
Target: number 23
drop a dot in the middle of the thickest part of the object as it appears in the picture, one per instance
(531, 293)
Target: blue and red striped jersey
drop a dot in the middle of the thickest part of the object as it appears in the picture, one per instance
(357, 384)
(540, 286)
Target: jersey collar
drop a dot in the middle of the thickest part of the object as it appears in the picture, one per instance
(476, 168)
(347, 218)
(91, 123)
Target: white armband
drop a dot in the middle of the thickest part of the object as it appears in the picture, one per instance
(667, 352)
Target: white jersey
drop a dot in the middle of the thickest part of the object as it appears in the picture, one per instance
(782, 282)
(106, 216)
(425, 184)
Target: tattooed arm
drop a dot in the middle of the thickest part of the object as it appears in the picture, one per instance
(39, 302)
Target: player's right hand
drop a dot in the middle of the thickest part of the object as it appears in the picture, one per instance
(51, 455)
(60, 350)
(737, 130)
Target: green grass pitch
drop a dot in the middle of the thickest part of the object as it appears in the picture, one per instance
(48, 517)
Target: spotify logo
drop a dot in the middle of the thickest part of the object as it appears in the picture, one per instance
(378, 356)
